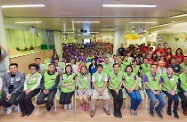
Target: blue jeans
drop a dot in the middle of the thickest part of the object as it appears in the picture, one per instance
(136, 99)
(153, 100)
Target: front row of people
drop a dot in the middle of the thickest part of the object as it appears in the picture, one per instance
(20, 90)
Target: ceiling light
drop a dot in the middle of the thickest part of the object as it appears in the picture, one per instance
(160, 25)
(68, 32)
(182, 15)
(142, 22)
(93, 32)
(29, 22)
(23, 6)
(129, 5)
(86, 22)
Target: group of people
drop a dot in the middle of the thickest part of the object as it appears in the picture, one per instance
(99, 73)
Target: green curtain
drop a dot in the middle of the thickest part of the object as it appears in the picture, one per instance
(21, 38)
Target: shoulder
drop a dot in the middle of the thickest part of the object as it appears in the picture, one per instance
(20, 73)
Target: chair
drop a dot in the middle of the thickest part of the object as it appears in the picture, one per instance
(47, 60)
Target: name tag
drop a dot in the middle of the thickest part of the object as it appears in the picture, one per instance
(18, 79)
(172, 79)
(154, 79)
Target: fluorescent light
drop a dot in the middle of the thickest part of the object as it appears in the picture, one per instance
(105, 29)
(29, 22)
(23, 6)
(85, 21)
(68, 32)
(93, 32)
(160, 25)
(182, 15)
(129, 5)
(142, 22)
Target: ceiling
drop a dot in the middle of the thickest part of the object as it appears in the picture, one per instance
(59, 14)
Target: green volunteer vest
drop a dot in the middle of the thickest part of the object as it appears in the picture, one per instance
(182, 65)
(169, 83)
(68, 79)
(153, 82)
(83, 80)
(122, 68)
(183, 80)
(135, 69)
(115, 79)
(98, 83)
(107, 68)
(1, 91)
(129, 80)
(145, 69)
(49, 80)
(32, 82)
(126, 63)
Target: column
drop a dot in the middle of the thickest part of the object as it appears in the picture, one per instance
(3, 38)
(58, 43)
(118, 39)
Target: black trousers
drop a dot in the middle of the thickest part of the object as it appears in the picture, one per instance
(65, 98)
(118, 99)
(172, 98)
(50, 98)
(25, 101)
(184, 100)
(12, 101)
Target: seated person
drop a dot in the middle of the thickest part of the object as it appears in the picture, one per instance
(41, 66)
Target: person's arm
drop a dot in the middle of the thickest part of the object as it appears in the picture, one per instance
(25, 84)
(42, 69)
(4, 55)
(110, 83)
(57, 80)
(20, 85)
(179, 87)
(5, 89)
(37, 84)
(42, 83)
(88, 84)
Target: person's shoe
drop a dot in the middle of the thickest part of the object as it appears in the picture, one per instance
(151, 113)
(119, 114)
(65, 106)
(159, 114)
(30, 112)
(176, 114)
(106, 111)
(52, 104)
(9, 110)
(16, 108)
(169, 112)
(69, 106)
(115, 114)
(86, 107)
(185, 112)
(24, 114)
(92, 113)
(48, 108)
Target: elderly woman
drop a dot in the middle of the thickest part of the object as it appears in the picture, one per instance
(161, 69)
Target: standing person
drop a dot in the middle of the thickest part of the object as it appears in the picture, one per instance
(48, 84)
(126, 62)
(179, 56)
(168, 55)
(182, 87)
(175, 66)
(183, 64)
(169, 87)
(67, 87)
(107, 66)
(121, 66)
(135, 67)
(115, 83)
(99, 80)
(153, 82)
(31, 88)
(145, 67)
(58, 66)
(13, 82)
(84, 87)
(83, 57)
(2, 61)
(100, 59)
(53, 58)
(92, 66)
(159, 51)
(121, 50)
(131, 86)
(41, 66)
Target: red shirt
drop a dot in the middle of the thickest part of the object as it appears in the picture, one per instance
(165, 64)
(159, 51)
(179, 59)
(151, 61)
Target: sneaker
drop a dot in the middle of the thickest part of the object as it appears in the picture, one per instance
(16, 108)
(115, 114)
(92, 113)
(169, 112)
(119, 114)
(159, 114)
(9, 110)
(69, 106)
(87, 107)
(176, 114)
(65, 107)
(151, 113)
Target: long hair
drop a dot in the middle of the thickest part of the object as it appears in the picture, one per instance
(85, 68)
(177, 51)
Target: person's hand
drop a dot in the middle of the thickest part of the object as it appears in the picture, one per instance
(8, 97)
(155, 92)
(117, 91)
(185, 94)
(27, 91)
(83, 91)
(46, 92)
(101, 91)
(173, 93)
(69, 88)
(129, 90)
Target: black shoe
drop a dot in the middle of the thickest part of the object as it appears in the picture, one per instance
(119, 114)
(24, 114)
(169, 112)
(30, 112)
(159, 114)
(151, 113)
(52, 104)
(176, 114)
(49, 108)
(115, 114)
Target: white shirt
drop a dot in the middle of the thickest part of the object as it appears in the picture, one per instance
(74, 67)
(99, 78)
(1, 84)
